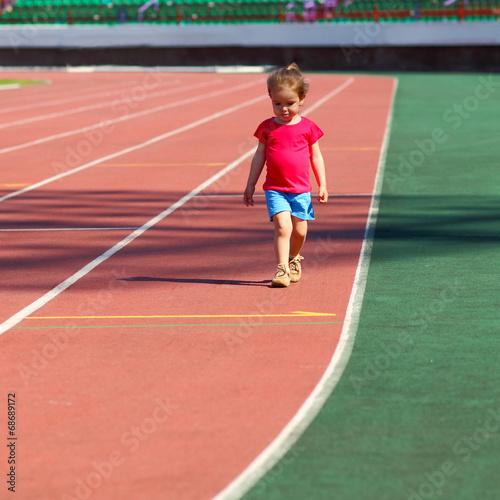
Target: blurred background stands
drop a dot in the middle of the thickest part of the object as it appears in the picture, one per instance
(243, 11)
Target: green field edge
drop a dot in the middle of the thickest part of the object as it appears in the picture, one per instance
(21, 82)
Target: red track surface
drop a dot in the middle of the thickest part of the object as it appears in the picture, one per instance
(166, 407)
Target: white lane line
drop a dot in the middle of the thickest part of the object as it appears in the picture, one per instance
(42, 101)
(328, 96)
(115, 103)
(27, 230)
(132, 148)
(10, 86)
(107, 123)
(311, 407)
(330, 195)
(48, 89)
(43, 92)
(44, 299)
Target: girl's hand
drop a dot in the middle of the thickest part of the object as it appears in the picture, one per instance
(248, 196)
(322, 194)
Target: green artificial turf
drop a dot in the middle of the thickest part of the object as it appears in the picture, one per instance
(416, 414)
(20, 82)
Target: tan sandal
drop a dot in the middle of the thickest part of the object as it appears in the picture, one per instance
(295, 268)
(282, 277)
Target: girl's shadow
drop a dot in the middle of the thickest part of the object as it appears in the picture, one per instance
(200, 280)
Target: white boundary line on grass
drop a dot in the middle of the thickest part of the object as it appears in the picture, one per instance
(51, 294)
(316, 400)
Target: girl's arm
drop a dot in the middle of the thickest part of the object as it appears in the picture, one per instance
(258, 161)
(318, 166)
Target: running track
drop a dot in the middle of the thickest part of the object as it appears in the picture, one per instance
(149, 355)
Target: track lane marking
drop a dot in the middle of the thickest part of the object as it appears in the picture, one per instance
(41, 229)
(47, 89)
(339, 195)
(136, 147)
(107, 123)
(359, 148)
(178, 164)
(64, 285)
(104, 104)
(217, 325)
(42, 103)
(10, 86)
(294, 314)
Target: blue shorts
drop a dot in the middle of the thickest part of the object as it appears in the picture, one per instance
(298, 204)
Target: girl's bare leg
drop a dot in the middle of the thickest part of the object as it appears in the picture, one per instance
(298, 236)
(297, 239)
(283, 228)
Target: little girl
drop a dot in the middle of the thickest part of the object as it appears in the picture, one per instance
(288, 144)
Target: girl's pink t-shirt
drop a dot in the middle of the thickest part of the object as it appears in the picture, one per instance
(288, 153)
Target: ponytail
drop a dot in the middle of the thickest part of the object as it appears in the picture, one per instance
(288, 76)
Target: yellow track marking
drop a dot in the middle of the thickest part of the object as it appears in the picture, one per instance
(295, 314)
(13, 185)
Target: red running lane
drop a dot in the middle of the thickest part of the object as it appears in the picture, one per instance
(64, 87)
(176, 407)
(72, 140)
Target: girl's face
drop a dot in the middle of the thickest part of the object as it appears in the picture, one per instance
(286, 104)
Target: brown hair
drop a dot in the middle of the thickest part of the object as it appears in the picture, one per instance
(288, 76)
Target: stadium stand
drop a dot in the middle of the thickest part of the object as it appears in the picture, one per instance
(243, 11)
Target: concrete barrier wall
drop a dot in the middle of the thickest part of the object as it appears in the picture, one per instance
(440, 46)
(252, 35)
